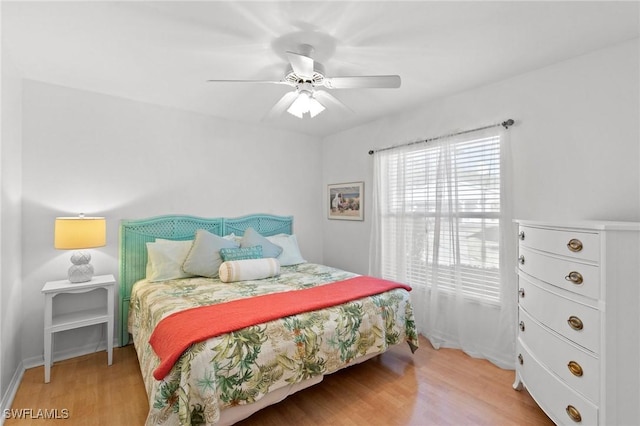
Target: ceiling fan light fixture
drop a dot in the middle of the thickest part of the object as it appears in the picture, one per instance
(300, 105)
(315, 107)
(296, 112)
(305, 103)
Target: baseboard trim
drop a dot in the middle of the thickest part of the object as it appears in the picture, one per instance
(37, 361)
(7, 398)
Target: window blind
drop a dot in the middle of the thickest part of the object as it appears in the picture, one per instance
(440, 216)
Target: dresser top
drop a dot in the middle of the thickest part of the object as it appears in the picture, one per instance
(597, 225)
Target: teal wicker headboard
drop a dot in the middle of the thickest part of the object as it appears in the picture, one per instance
(134, 234)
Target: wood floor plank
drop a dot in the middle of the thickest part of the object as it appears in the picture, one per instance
(431, 387)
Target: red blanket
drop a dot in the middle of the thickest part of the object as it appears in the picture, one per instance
(175, 333)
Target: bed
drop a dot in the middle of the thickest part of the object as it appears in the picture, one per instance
(224, 378)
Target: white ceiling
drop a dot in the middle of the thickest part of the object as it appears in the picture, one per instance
(163, 52)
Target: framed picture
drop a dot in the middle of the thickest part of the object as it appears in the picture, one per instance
(346, 201)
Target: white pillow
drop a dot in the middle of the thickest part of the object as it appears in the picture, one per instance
(249, 269)
(165, 258)
(233, 237)
(204, 257)
(290, 251)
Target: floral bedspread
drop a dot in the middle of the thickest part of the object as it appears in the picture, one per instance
(242, 366)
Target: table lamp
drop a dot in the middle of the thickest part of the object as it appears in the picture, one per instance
(77, 233)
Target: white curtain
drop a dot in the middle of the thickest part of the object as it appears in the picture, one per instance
(442, 224)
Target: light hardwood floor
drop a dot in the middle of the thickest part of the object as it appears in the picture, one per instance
(443, 387)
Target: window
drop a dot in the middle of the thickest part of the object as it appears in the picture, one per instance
(440, 216)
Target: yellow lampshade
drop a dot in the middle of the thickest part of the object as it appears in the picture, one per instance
(81, 232)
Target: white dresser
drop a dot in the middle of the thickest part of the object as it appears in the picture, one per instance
(578, 345)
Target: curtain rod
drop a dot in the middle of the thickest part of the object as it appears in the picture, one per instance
(504, 124)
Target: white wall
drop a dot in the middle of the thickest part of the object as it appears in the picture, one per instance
(575, 145)
(101, 155)
(10, 238)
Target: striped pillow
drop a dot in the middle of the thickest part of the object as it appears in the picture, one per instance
(249, 269)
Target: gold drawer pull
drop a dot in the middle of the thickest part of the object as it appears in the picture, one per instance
(575, 368)
(575, 323)
(574, 277)
(521, 235)
(521, 259)
(574, 245)
(574, 414)
(521, 325)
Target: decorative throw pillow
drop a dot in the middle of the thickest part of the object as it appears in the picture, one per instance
(241, 253)
(204, 257)
(165, 258)
(248, 269)
(290, 251)
(252, 238)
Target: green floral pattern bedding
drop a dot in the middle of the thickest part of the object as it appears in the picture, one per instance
(242, 366)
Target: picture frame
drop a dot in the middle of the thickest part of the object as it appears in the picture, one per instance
(345, 201)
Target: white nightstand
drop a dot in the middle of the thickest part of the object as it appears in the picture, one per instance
(79, 318)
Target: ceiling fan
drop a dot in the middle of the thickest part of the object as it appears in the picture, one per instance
(308, 77)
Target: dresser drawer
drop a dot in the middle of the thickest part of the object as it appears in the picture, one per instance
(552, 394)
(576, 277)
(575, 321)
(579, 245)
(577, 368)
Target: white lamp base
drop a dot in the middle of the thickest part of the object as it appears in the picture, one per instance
(81, 271)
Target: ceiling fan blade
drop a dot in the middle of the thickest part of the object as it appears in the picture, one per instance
(281, 106)
(330, 101)
(302, 65)
(362, 82)
(251, 81)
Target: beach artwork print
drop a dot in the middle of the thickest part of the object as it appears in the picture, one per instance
(346, 201)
